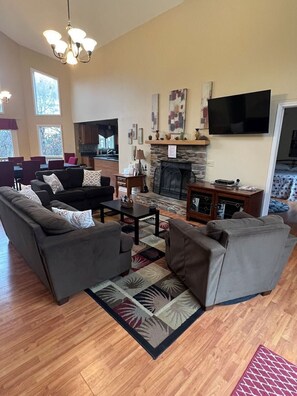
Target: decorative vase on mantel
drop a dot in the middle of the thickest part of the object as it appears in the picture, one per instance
(157, 135)
(197, 134)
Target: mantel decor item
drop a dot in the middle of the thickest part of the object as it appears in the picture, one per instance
(78, 48)
(177, 110)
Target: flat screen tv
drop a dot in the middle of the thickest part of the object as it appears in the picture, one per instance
(246, 113)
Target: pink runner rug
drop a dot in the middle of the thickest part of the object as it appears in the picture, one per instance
(267, 374)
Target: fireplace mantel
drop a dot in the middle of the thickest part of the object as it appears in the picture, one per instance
(179, 142)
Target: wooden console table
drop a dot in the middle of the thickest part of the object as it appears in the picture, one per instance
(129, 181)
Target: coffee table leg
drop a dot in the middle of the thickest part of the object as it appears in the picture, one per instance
(136, 233)
(102, 214)
(157, 222)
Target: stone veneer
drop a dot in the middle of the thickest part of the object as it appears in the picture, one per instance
(197, 155)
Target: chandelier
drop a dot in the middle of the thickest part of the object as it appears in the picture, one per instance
(5, 96)
(78, 48)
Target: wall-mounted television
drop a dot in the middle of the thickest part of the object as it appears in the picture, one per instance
(246, 113)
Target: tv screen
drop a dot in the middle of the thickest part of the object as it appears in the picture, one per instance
(239, 114)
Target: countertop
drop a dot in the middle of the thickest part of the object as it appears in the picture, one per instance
(107, 157)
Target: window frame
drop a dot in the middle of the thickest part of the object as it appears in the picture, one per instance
(39, 140)
(35, 96)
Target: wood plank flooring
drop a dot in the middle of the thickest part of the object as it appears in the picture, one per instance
(77, 349)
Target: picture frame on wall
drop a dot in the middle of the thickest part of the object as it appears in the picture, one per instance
(134, 131)
(155, 112)
(140, 136)
(177, 110)
(130, 136)
(206, 93)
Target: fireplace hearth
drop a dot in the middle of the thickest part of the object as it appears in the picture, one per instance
(171, 179)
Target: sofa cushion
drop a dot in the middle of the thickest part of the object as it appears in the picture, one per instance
(53, 181)
(95, 192)
(91, 178)
(51, 223)
(76, 176)
(30, 194)
(71, 195)
(78, 219)
(9, 193)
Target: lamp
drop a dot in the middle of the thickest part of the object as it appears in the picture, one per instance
(139, 156)
(5, 96)
(79, 47)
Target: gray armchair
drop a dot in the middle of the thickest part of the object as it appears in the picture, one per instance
(229, 259)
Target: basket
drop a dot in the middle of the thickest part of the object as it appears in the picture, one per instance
(127, 204)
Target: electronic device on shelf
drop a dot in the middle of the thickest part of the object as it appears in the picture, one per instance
(225, 182)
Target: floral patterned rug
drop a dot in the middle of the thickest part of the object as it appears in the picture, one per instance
(150, 302)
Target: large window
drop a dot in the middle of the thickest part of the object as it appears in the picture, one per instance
(46, 94)
(50, 138)
(6, 144)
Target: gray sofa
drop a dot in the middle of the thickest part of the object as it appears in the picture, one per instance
(229, 259)
(74, 194)
(67, 260)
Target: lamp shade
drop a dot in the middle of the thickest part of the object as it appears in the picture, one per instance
(139, 154)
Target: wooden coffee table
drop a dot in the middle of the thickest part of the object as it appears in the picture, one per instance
(137, 212)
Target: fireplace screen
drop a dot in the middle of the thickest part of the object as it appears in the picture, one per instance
(171, 179)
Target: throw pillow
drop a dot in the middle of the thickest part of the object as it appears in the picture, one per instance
(53, 181)
(78, 219)
(29, 193)
(92, 178)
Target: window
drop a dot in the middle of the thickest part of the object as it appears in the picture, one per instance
(50, 138)
(1, 108)
(6, 144)
(107, 143)
(46, 94)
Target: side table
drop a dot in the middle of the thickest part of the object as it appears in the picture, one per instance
(129, 181)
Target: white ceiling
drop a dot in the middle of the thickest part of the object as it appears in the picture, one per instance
(103, 20)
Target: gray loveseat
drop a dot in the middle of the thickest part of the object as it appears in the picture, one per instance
(66, 260)
(229, 259)
(74, 194)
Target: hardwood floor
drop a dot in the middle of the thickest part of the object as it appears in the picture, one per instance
(77, 349)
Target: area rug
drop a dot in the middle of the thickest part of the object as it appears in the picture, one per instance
(267, 374)
(150, 303)
(276, 206)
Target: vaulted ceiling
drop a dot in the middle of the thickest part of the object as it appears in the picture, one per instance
(103, 20)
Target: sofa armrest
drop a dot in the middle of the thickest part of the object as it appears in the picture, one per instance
(196, 259)
(38, 185)
(44, 198)
(77, 260)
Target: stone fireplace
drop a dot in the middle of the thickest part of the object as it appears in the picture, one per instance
(194, 154)
(172, 177)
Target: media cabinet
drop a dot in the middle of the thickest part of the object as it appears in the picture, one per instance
(206, 201)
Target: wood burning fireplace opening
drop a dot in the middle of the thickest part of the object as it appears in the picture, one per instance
(171, 179)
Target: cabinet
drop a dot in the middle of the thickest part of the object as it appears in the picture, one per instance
(109, 168)
(206, 201)
(87, 134)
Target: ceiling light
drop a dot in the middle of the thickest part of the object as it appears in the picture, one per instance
(78, 48)
(5, 96)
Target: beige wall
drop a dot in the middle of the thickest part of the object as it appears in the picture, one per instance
(240, 45)
(15, 76)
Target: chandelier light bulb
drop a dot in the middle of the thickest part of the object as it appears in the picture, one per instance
(52, 36)
(78, 47)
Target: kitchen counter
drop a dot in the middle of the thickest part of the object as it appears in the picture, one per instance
(111, 157)
(109, 165)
